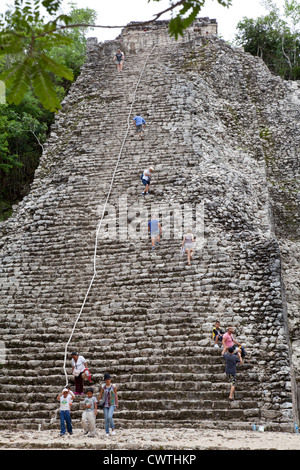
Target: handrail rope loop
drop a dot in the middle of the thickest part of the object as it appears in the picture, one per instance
(103, 212)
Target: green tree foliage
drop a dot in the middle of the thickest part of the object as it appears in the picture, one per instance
(72, 55)
(23, 130)
(40, 51)
(24, 40)
(24, 118)
(274, 38)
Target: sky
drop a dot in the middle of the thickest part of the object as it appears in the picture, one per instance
(121, 12)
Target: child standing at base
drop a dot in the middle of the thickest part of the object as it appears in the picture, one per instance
(65, 399)
(89, 413)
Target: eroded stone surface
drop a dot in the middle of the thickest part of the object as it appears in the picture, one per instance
(222, 134)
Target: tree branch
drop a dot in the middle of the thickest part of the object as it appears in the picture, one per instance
(80, 25)
(38, 141)
(285, 55)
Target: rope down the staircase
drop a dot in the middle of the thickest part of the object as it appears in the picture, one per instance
(103, 212)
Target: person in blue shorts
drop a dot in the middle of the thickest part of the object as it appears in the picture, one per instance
(140, 124)
(154, 229)
(146, 179)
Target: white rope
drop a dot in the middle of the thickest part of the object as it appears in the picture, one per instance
(103, 212)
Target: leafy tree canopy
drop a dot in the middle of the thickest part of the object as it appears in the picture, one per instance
(25, 124)
(31, 43)
(275, 38)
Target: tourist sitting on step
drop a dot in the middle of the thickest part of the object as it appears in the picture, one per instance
(188, 245)
(140, 124)
(217, 334)
(79, 364)
(119, 58)
(231, 361)
(154, 228)
(228, 340)
(146, 179)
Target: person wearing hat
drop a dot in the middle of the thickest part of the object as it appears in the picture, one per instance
(111, 402)
(146, 179)
(78, 365)
(65, 399)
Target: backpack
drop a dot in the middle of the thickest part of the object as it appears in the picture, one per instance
(86, 375)
(243, 352)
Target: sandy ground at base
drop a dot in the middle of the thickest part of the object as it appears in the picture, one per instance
(145, 439)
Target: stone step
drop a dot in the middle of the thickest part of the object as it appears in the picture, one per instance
(182, 414)
(34, 354)
(211, 423)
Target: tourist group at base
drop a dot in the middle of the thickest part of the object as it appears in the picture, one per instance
(107, 401)
(232, 352)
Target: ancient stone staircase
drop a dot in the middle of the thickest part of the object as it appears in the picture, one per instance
(148, 317)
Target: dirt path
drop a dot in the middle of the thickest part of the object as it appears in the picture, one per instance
(159, 439)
